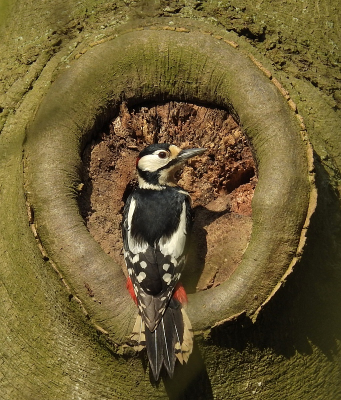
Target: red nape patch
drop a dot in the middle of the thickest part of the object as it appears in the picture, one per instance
(131, 290)
(180, 293)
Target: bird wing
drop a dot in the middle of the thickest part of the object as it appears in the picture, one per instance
(155, 270)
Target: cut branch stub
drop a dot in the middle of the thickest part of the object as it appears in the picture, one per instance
(162, 65)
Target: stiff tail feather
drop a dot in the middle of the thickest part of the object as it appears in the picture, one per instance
(171, 340)
(138, 335)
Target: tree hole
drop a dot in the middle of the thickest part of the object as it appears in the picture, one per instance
(221, 183)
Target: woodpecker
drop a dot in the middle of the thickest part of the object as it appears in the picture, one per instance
(157, 221)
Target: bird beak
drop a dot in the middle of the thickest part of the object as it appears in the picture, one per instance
(186, 154)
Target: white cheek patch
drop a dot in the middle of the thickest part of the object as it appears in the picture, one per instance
(152, 162)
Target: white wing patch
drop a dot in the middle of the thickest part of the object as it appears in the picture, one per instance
(174, 246)
(134, 246)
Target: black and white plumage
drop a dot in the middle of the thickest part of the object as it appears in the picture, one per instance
(156, 226)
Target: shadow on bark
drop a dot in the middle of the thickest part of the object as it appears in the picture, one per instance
(305, 311)
(190, 381)
(198, 247)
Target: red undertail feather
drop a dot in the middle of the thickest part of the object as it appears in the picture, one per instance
(180, 294)
(131, 290)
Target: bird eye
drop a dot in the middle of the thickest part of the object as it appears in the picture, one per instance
(162, 154)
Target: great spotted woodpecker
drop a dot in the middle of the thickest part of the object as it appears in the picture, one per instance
(156, 225)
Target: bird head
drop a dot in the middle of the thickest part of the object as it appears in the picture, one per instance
(157, 164)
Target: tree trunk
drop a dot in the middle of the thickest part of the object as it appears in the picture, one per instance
(271, 331)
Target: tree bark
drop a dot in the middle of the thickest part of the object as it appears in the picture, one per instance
(281, 341)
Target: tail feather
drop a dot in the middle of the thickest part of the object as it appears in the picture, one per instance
(138, 335)
(187, 341)
(168, 349)
(172, 339)
(160, 346)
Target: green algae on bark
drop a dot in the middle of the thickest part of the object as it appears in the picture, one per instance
(158, 65)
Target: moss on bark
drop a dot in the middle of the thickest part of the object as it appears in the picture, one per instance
(157, 65)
